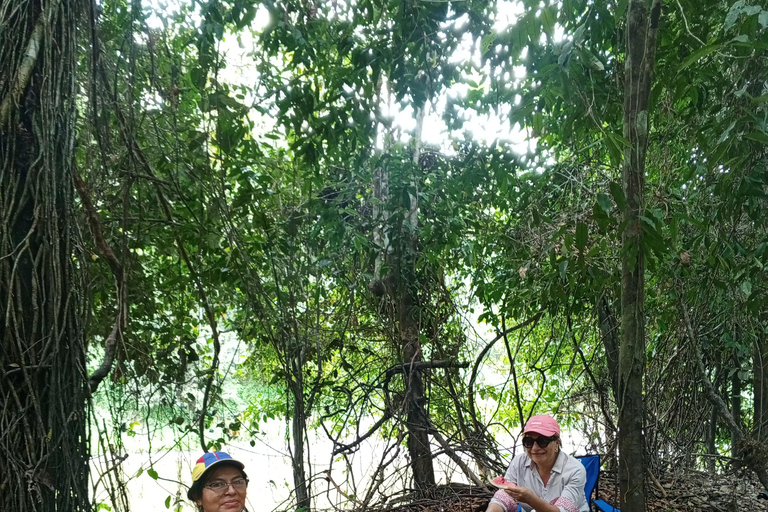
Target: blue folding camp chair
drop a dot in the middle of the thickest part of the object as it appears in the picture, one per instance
(592, 465)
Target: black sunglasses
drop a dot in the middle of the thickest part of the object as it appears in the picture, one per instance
(541, 441)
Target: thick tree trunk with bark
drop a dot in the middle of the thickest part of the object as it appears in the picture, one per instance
(43, 385)
(641, 30)
(400, 286)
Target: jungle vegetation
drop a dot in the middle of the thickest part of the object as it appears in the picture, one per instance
(314, 184)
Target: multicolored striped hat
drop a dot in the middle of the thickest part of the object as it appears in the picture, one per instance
(208, 460)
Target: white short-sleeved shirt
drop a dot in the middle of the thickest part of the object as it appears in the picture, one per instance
(565, 488)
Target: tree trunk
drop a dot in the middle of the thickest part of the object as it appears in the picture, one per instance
(415, 401)
(609, 333)
(43, 443)
(712, 434)
(736, 413)
(642, 27)
(298, 430)
(760, 386)
(416, 411)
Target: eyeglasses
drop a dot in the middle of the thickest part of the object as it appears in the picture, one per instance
(542, 441)
(220, 486)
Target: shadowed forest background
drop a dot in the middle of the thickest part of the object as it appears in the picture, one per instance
(408, 222)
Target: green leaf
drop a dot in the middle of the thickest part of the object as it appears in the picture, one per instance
(565, 54)
(152, 473)
(246, 20)
(486, 42)
(746, 287)
(698, 54)
(563, 268)
(591, 60)
(604, 201)
(578, 34)
(168, 502)
(737, 9)
(582, 236)
(618, 195)
(733, 15)
(648, 221)
(621, 8)
(614, 147)
(758, 136)
(548, 19)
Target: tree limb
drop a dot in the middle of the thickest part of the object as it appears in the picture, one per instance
(121, 316)
(347, 447)
(423, 365)
(758, 466)
(455, 458)
(137, 154)
(484, 352)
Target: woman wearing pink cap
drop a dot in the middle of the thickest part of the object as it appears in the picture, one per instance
(544, 478)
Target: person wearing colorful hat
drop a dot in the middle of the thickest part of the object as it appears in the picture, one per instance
(544, 478)
(219, 483)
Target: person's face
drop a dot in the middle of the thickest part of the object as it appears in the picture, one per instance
(545, 456)
(226, 499)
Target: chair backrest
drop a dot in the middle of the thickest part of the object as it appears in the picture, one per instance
(592, 465)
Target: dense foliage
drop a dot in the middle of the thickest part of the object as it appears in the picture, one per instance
(311, 185)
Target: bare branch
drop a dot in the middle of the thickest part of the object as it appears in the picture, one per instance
(121, 317)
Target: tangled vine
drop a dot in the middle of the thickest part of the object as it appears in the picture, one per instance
(43, 393)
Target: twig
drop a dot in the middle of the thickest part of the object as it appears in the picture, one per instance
(687, 28)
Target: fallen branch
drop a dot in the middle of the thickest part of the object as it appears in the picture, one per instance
(455, 458)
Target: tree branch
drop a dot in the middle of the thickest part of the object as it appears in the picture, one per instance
(138, 156)
(758, 466)
(455, 458)
(423, 365)
(121, 316)
(484, 352)
(347, 447)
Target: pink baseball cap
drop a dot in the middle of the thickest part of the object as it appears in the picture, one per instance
(543, 424)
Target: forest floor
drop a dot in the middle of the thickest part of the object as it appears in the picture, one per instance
(680, 491)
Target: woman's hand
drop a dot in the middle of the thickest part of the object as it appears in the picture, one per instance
(521, 494)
